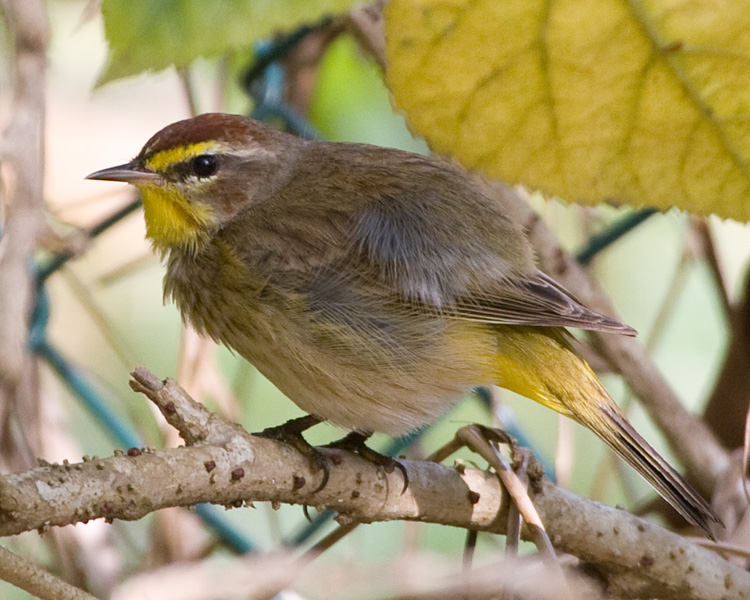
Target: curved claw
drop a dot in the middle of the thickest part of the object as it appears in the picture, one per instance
(405, 475)
(318, 461)
(291, 433)
(355, 442)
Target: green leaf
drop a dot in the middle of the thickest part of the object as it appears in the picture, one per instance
(645, 102)
(150, 35)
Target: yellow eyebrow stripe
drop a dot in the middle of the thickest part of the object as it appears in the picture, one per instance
(161, 161)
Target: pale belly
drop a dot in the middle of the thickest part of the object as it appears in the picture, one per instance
(360, 390)
(367, 367)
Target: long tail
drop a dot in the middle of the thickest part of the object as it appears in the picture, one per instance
(539, 363)
(615, 430)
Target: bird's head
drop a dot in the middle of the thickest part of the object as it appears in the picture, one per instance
(196, 174)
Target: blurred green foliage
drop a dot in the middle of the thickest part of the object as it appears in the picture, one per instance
(146, 36)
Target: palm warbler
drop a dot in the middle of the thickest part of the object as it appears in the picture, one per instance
(373, 287)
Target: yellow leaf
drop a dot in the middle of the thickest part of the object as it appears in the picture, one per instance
(645, 102)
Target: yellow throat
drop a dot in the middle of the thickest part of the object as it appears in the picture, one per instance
(172, 219)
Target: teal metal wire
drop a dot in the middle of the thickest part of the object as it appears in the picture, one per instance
(600, 242)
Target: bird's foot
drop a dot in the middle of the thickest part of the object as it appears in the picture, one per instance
(355, 442)
(291, 433)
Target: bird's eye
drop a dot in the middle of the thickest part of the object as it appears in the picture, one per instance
(204, 165)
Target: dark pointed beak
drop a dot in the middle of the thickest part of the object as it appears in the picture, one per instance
(129, 173)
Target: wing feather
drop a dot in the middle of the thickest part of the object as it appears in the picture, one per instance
(537, 300)
(434, 242)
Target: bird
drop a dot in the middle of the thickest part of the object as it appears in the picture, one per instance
(374, 287)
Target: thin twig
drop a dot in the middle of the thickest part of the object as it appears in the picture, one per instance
(702, 228)
(35, 580)
(186, 79)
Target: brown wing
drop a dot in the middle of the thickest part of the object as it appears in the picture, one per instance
(536, 300)
(432, 240)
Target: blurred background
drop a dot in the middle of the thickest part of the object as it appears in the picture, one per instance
(107, 316)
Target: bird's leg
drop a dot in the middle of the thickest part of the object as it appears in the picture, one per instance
(355, 442)
(291, 433)
(292, 428)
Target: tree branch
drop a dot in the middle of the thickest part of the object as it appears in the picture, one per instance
(411, 577)
(35, 580)
(223, 464)
(22, 149)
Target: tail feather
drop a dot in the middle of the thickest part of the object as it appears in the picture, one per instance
(540, 363)
(620, 435)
